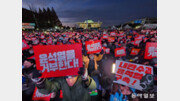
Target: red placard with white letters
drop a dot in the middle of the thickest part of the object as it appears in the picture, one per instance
(106, 50)
(24, 45)
(113, 33)
(40, 97)
(58, 60)
(134, 51)
(137, 41)
(111, 39)
(105, 36)
(120, 52)
(93, 46)
(151, 50)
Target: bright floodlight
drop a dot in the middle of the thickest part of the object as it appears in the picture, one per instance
(113, 68)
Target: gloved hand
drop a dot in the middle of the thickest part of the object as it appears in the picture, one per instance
(83, 72)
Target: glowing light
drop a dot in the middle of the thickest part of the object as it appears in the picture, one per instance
(113, 68)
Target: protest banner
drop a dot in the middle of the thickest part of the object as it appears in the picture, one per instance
(93, 46)
(42, 36)
(31, 57)
(128, 37)
(105, 36)
(24, 45)
(137, 41)
(95, 38)
(49, 41)
(111, 39)
(113, 33)
(33, 38)
(106, 50)
(58, 60)
(61, 94)
(120, 52)
(40, 97)
(134, 51)
(104, 32)
(145, 39)
(140, 37)
(130, 74)
(150, 50)
(120, 34)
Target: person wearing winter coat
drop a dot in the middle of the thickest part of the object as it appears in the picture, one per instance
(74, 88)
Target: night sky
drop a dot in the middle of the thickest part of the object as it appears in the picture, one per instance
(110, 12)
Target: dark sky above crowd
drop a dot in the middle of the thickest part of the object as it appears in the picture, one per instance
(110, 12)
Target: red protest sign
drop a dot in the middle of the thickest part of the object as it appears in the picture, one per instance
(105, 36)
(121, 34)
(49, 41)
(134, 51)
(130, 74)
(107, 50)
(24, 45)
(42, 36)
(33, 38)
(151, 50)
(120, 52)
(58, 60)
(95, 38)
(113, 33)
(137, 41)
(93, 46)
(61, 94)
(31, 57)
(39, 96)
(140, 37)
(111, 39)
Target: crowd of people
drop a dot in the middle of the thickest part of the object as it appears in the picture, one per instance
(96, 76)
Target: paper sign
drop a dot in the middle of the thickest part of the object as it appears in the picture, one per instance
(106, 50)
(42, 36)
(151, 50)
(24, 45)
(113, 34)
(93, 46)
(120, 52)
(105, 36)
(31, 57)
(134, 51)
(49, 41)
(58, 60)
(137, 41)
(40, 97)
(130, 74)
(111, 39)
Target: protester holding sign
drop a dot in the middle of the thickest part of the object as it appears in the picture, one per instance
(58, 55)
(91, 64)
(58, 60)
(73, 88)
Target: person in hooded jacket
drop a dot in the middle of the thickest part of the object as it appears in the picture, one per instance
(74, 88)
(28, 86)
